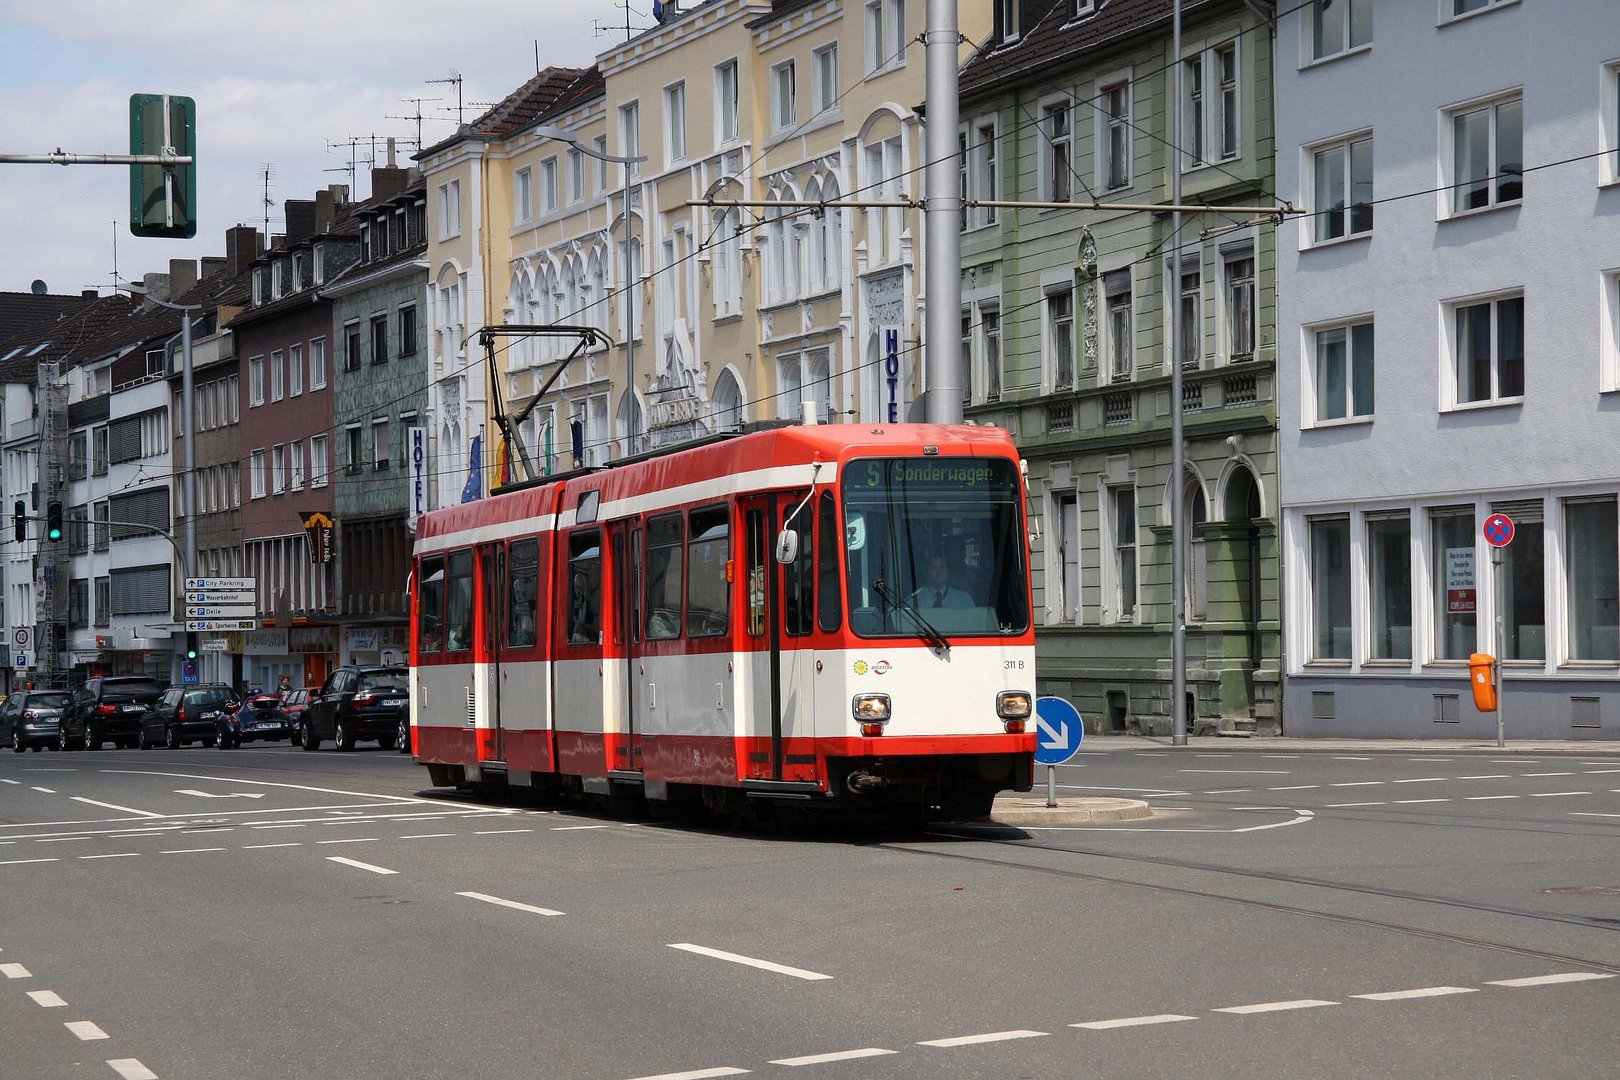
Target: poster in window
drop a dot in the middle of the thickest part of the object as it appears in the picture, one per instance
(1460, 589)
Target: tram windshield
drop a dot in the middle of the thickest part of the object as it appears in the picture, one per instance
(943, 537)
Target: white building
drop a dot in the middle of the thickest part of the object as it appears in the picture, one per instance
(1449, 348)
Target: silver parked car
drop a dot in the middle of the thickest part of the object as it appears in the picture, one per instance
(32, 718)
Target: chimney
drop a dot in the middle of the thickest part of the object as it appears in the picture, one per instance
(156, 286)
(340, 193)
(89, 294)
(182, 276)
(387, 182)
(300, 219)
(213, 264)
(243, 244)
(390, 151)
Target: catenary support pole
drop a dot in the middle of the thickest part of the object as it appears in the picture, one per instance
(1178, 451)
(942, 401)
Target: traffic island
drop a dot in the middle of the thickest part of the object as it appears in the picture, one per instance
(1027, 810)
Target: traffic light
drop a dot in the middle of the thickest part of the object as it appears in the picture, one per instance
(163, 198)
(53, 521)
(191, 646)
(19, 521)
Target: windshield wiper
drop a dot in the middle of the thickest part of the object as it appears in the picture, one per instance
(929, 633)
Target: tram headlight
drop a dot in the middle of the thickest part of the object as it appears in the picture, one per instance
(1013, 704)
(870, 708)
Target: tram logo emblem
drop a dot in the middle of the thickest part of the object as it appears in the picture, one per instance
(860, 667)
(880, 668)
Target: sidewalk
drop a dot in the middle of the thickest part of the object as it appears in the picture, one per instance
(1230, 744)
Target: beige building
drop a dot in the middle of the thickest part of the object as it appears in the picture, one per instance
(717, 315)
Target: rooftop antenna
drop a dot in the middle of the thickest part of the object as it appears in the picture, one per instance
(115, 253)
(455, 78)
(629, 30)
(418, 117)
(267, 171)
(352, 168)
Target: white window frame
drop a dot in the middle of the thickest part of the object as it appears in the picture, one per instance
(523, 195)
(1450, 399)
(1219, 99)
(576, 175)
(784, 99)
(1116, 598)
(319, 462)
(1312, 368)
(824, 89)
(295, 370)
(449, 209)
(258, 466)
(278, 375)
(278, 468)
(1609, 124)
(1448, 153)
(381, 450)
(317, 364)
(1449, 13)
(255, 381)
(727, 95)
(885, 30)
(630, 135)
(1238, 251)
(1308, 25)
(675, 142)
(1609, 306)
(297, 461)
(1007, 21)
(1346, 145)
(1109, 346)
(1106, 125)
(1049, 334)
(1047, 148)
(548, 185)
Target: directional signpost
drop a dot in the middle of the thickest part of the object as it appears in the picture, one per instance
(218, 605)
(1058, 731)
(1498, 531)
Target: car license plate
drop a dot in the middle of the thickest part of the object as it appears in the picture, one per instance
(394, 701)
(133, 708)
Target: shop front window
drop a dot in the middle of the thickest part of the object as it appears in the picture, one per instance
(1456, 583)
(1330, 589)
(1389, 566)
(1524, 593)
(1594, 579)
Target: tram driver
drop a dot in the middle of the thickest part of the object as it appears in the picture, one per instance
(937, 590)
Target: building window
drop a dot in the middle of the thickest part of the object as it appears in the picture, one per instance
(1590, 536)
(1190, 316)
(1344, 372)
(1524, 577)
(1121, 345)
(548, 185)
(103, 612)
(600, 143)
(278, 468)
(257, 470)
(318, 461)
(1055, 126)
(967, 355)
(356, 438)
(295, 370)
(885, 33)
(1389, 569)
(1330, 588)
(1455, 8)
(675, 123)
(407, 331)
(630, 135)
(1193, 120)
(523, 195)
(1237, 267)
(1007, 20)
(990, 326)
(379, 339)
(1338, 26)
(1065, 606)
(381, 451)
(1122, 524)
(449, 209)
(1488, 351)
(1609, 126)
(725, 101)
(255, 381)
(1227, 104)
(726, 263)
(351, 346)
(101, 445)
(783, 91)
(1060, 336)
(102, 534)
(1116, 141)
(987, 184)
(1456, 591)
(278, 375)
(1343, 175)
(1487, 154)
(317, 366)
(297, 481)
(824, 94)
(576, 175)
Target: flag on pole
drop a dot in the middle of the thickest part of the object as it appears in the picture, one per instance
(474, 486)
(503, 462)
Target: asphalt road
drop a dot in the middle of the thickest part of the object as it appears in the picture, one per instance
(268, 913)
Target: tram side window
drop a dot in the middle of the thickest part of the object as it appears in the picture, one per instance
(458, 603)
(585, 587)
(755, 538)
(798, 593)
(524, 590)
(430, 606)
(829, 612)
(664, 573)
(707, 607)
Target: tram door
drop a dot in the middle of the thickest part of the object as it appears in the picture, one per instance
(492, 590)
(776, 622)
(624, 752)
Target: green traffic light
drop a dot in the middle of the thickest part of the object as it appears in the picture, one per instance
(56, 534)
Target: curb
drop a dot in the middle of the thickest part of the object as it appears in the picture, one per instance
(1068, 811)
(1207, 744)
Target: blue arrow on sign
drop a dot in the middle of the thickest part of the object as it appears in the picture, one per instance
(1058, 730)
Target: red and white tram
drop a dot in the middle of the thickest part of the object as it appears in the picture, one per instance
(835, 615)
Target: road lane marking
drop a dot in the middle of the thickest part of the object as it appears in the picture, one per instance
(1146, 792)
(1420, 780)
(261, 847)
(1546, 774)
(1429, 759)
(1358, 783)
(1295, 787)
(498, 832)
(5, 781)
(188, 850)
(1352, 759)
(513, 904)
(15, 971)
(1555, 794)
(841, 1055)
(19, 862)
(47, 999)
(1424, 992)
(575, 828)
(395, 799)
(749, 961)
(114, 806)
(1276, 1006)
(696, 1074)
(1573, 813)
(989, 1037)
(426, 835)
(1595, 772)
(46, 790)
(1228, 791)
(1342, 805)
(119, 855)
(132, 1069)
(1547, 980)
(292, 825)
(1132, 1021)
(1280, 757)
(1408, 802)
(58, 839)
(85, 1030)
(1234, 772)
(350, 840)
(358, 865)
(1486, 776)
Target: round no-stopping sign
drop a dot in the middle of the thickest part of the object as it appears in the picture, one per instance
(1498, 530)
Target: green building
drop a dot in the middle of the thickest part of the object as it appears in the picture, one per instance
(1064, 325)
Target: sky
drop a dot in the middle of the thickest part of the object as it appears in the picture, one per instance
(283, 82)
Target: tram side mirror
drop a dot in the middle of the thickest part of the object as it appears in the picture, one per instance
(855, 532)
(787, 546)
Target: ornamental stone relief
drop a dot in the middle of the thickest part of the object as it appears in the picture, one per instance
(1088, 287)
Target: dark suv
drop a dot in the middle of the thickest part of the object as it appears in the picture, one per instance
(183, 713)
(107, 707)
(358, 703)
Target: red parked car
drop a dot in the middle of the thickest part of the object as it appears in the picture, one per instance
(294, 702)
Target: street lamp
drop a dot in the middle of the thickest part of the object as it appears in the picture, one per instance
(563, 135)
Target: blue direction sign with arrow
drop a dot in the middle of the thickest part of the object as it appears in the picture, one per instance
(1058, 731)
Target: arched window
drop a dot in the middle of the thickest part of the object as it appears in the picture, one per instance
(632, 426)
(727, 408)
(599, 292)
(831, 225)
(1197, 564)
(775, 253)
(815, 267)
(570, 293)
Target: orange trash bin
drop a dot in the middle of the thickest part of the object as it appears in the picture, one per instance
(1482, 676)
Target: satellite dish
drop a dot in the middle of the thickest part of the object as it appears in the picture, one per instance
(38, 288)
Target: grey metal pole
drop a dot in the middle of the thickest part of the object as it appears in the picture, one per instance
(188, 418)
(942, 276)
(1178, 452)
(1500, 569)
(630, 299)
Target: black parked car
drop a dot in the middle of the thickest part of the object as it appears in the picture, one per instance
(107, 707)
(358, 703)
(262, 716)
(182, 714)
(32, 718)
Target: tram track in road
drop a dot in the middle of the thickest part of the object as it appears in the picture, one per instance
(1275, 906)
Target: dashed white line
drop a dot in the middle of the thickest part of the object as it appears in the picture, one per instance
(1573, 813)
(1133, 1021)
(5, 781)
(85, 1030)
(749, 961)
(1419, 780)
(47, 999)
(261, 847)
(211, 830)
(1424, 992)
(15, 971)
(1276, 1006)
(358, 865)
(498, 832)
(1227, 791)
(1295, 787)
(1358, 783)
(841, 1055)
(1596, 772)
(294, 825)
(1236, 772)
(576, 828)
(131, 1069)
(1547, 980)
(514, 905)
(59, 839)
(1486, 776)
(1546, 774)
(19, 862)
(350, 840)
(1344, 805)
(189, 850)
(117, 855)
(696, 1074)
(46, 790)
(425, 835)
(1408, 802)
(1555, 794)
(988, 1037)
(1352, 758)
(115, 806)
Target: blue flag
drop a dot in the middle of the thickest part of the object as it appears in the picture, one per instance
(474, 487)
